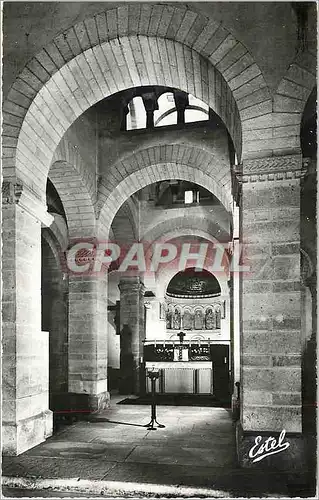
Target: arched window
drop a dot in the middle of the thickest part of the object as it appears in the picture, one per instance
(195, 115)
(166, 113)
(193, 101)
(197, 110)
(136, 117)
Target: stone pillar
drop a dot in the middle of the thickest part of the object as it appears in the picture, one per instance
(88, 343)
(271, 308)
(150, 104)
(132, 334)
(26, 418)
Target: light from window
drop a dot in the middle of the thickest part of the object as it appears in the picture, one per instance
(166, 103)
(195, 115)
(136, 117)
(188, 197)
(170, 119)
(193, 101)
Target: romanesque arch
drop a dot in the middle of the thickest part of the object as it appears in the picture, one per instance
(75, 197)
(125, 223)
(153, 173)
(81, 82)
(65, 78)
(165, 276)
(161, 163)
(186, 226)
(277, 130)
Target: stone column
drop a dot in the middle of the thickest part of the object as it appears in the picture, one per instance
(26, 418)
(88, 343)
(150, 104)
(181, 103)
(132, 334)
(271, 307)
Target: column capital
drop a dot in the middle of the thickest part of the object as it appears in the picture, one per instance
(271, 168)
(17, 193)
(150, 101)
(131, 284)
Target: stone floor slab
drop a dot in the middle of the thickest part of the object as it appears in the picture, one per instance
(181, 455)
(234, 480)
(55, 467)
(68, 449)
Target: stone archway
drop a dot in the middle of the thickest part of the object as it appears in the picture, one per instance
(156, 170)
(75, 198)
(195, 226)
(68, 93)
(65, 78)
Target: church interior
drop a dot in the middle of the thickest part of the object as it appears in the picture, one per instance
(189, 125)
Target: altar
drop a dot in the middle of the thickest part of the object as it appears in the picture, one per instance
(188, 367)
(183, 377)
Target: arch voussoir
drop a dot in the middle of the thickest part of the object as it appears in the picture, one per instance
(115, 50)
(68, 173)
(162, 165)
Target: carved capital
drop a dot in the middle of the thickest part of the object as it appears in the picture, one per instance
(11, 193)
(236, 176)
(274, 168)
(16, 193)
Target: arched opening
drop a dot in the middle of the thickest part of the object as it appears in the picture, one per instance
(133, 54)
(136, 117)
(179, 107)
(54, 311)
(166, 108)
(196, 330)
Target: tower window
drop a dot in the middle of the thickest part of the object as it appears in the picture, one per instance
(188, 197)
(136, 117)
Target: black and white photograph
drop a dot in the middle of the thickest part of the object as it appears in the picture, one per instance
(159, 249)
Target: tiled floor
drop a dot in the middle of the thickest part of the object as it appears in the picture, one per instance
(196, 448)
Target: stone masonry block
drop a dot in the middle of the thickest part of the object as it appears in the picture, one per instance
(272, 342)
(286, 379)
(272, 419)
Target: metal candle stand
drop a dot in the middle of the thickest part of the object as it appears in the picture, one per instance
(153, 375)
